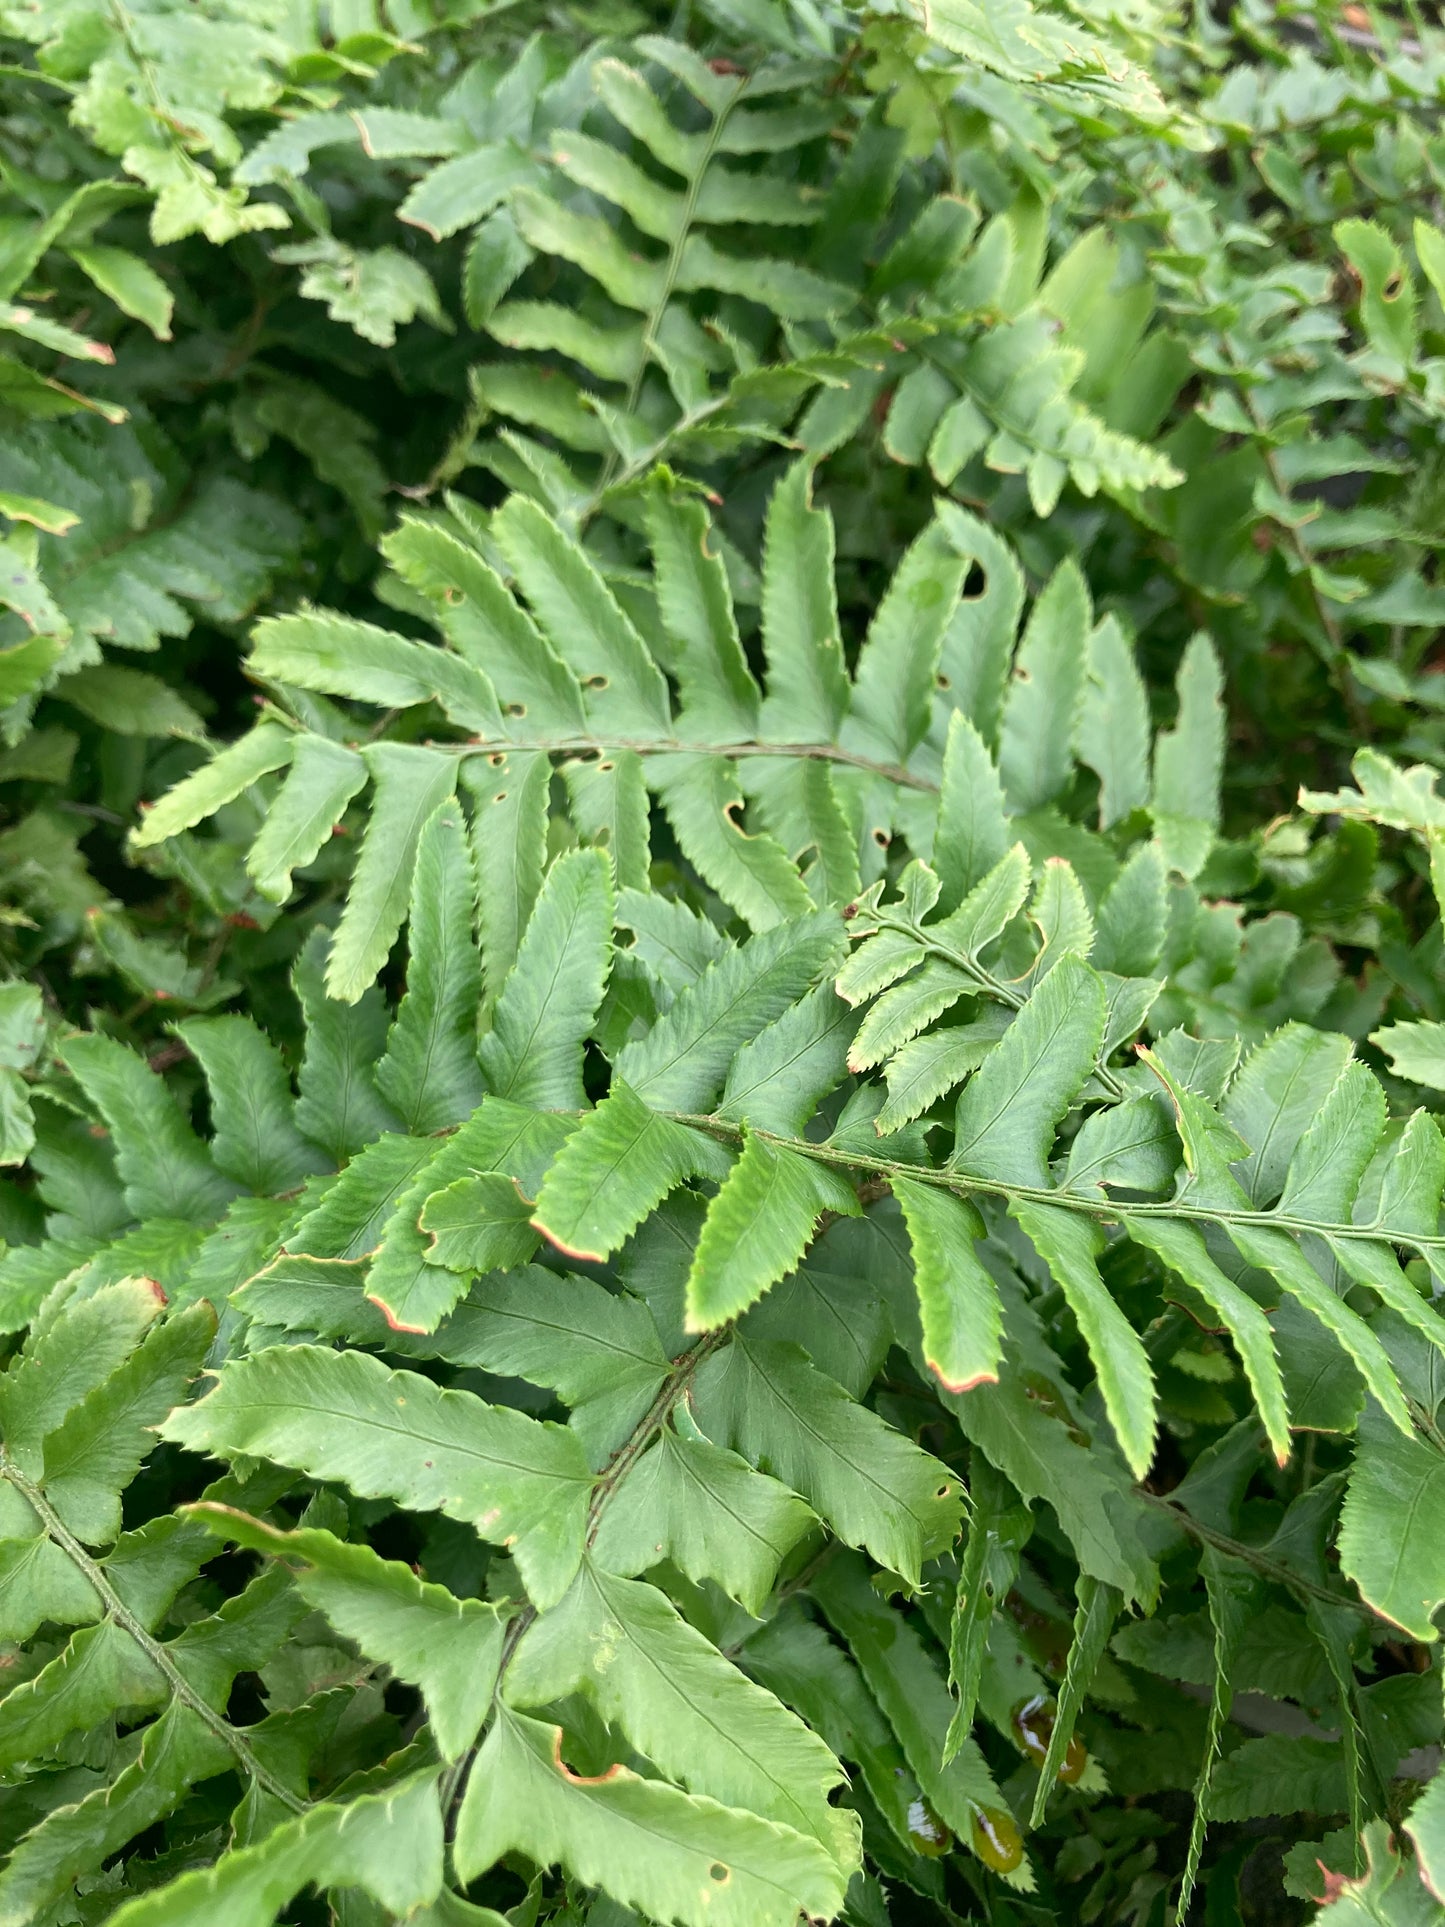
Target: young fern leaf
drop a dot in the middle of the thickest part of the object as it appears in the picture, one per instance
(751, 792)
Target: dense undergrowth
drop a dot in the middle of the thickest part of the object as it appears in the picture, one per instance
(723, 1007)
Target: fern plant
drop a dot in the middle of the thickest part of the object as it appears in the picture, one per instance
(809, 1288)
(666, 1186)
(699, 378)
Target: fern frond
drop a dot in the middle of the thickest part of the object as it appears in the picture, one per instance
(801, 809)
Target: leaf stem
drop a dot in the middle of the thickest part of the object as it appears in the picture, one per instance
(1104, 1209)
(646, 746)
(155, 1652)
(453, 1781)
(656, 314)
(666, 746)
(992, 986)
(1252, 1556)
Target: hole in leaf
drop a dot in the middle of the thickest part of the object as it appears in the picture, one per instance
(719, 1872)
(500, 797)
(882, 839)
(514, 709)
(594, 682)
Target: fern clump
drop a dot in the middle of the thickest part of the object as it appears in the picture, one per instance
(721, 1035)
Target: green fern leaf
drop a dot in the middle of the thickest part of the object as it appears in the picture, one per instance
(1008, 1113)
(320, 650)
(684, 1058)
(228, 775)
(615, 1170)
(750, 870)
(599, 1352)
(678, 1856)
(393, 1434)
(98, 1448)
(389, 1844)
(719, 695)
(957, 1299)
(780, 1077)
(166, 1170)
(338, 1105)
(972, 833)
(478, 1223)
(430, 1075)
(894, 682)
(255, 1138)
(905, 1682)
(583, 622)
(533, 1052)
(322, 779)
(808, 690)
(1187, 764)
(708, 1512)
(765, 1400)
(682, 1705)
(1183, 1249)
(83, 1344)
(486, 625)
(1112, 736)
(1070, 1246)
(1042, 708)
(409, 786)
(758, 1227)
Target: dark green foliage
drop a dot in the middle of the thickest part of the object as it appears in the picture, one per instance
(722, 1033)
